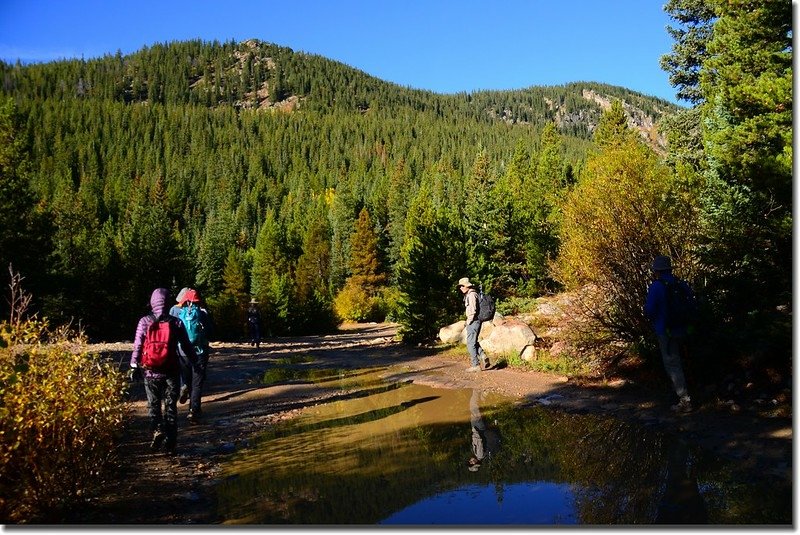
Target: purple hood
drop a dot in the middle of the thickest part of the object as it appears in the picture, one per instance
(158, 301)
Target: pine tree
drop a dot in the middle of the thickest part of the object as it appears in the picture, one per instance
(747, 118)
(272, 275)
(230, 307)
(313, 297)
(359, 299)
(434, 258)
(484, 221)
(545, 192)
(613, 126)
(364, 262)
(148, 247)
(696, 19)
(22, 230)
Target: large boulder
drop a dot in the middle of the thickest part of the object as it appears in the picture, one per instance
(508, 337)
(456, 333)
(486, 330)
(451, 334)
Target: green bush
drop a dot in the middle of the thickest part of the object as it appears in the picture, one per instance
(564, 364)
(61, 411)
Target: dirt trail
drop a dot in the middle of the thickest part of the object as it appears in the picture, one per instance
(157, 489)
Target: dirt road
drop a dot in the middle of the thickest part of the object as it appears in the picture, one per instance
(157, 489)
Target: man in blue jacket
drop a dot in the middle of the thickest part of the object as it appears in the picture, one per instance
(671, 334)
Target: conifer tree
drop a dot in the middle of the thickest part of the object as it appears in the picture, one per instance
(22, 229)
(364, 261)
(148, 246)
(217, 237)
(696, 19)
(484, 221)
(613, 126)
(747, 82)
(229, 308)
(359, 299)
(272, 275)
(313, 296)
(546, 188)
(433, 259)
(401, 190)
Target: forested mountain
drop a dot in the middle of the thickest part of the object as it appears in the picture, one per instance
(243, 169)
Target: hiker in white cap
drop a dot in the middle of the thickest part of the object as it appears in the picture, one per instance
(476, 353)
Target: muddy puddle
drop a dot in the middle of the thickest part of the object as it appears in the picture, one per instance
(407, 454)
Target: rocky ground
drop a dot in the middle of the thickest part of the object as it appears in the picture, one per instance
(157, 489)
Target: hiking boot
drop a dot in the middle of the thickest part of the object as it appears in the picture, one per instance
(486, 365)
(184, 395)
(158, 439)
(683, 406)
(474, 369)
(193, 417)
(169, 447)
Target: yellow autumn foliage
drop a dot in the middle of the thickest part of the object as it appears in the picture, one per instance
(61, 410)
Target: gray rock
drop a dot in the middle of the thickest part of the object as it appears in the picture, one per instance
(509, 336)
(452, 333)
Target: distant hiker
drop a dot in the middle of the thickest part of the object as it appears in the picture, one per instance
(670, 324)
(476, 353)
(254, 323)
(155, 348)
(197, 323)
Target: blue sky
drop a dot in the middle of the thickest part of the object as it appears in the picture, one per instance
(444, 46)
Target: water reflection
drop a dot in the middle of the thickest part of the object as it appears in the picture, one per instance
(681, 501)
(485, 441)
(416, 455)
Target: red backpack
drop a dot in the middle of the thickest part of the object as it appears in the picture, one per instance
(157, 352)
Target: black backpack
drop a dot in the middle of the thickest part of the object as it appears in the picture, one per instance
(681, 304)
(486, 306)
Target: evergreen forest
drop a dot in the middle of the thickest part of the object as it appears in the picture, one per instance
(250, 171)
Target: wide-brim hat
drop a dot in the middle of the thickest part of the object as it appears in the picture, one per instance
(662, 263)
(253, 301)
(464, 281)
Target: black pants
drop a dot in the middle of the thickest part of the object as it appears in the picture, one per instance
(193, 377)
(163, 390)
(255, 334)
(198, 380)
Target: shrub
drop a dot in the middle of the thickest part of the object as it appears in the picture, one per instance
(60, 414)
(354, 303)
(626, 209)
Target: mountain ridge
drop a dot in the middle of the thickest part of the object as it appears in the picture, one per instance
(257, 75)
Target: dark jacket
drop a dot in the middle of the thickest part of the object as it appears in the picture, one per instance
(655, 306)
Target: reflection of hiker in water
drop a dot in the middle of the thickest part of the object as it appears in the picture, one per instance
(681, 502)
(485, 441)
